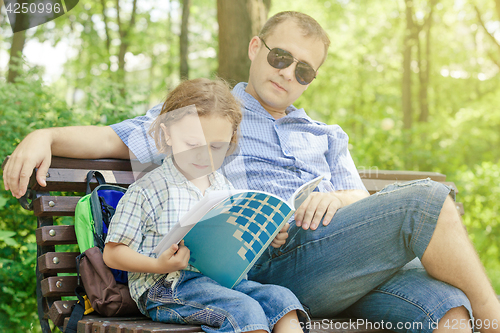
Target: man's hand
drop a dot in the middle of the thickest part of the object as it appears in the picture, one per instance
(36, 151)
(324, 206)
(316, 207)
(33, 152)
(281, 237)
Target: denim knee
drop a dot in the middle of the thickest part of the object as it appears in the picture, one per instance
(422, 201)
(410, 302)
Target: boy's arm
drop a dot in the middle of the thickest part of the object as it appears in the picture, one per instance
(120, 256)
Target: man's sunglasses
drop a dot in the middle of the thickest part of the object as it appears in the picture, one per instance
(279, 58)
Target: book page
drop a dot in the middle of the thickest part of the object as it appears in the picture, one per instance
(212, 204)
(301, 194)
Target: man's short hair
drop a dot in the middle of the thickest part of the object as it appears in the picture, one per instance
(309, 26)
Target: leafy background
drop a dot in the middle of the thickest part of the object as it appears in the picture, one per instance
(359, 87)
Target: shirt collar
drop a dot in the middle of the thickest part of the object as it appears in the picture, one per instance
(252, 105)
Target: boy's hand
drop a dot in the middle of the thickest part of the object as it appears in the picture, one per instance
(174, 258)
(281, 237)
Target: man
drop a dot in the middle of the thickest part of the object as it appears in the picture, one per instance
(347, 252)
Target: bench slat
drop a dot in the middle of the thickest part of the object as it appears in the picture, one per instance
(58, 286)
(74, 180)
(58, 262)
(56, 235)
(60, 310)
(375, 185)
(100, 164)
(93, 323)
(400, 175)
(55, 205)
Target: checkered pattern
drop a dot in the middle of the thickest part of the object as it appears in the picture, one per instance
(276, 156)
(149, 209)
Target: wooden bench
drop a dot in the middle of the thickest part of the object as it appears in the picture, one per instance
(55, 270)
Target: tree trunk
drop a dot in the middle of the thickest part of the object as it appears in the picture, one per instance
(407, 56)
(239, 21)
(124, 41)
(494, 57)
(16, 51)
(424, 68)
(106, 29)
(183, 40)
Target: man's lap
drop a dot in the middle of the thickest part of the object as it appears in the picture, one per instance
(365, 244)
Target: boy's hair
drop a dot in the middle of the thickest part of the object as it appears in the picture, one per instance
(309, 26)
(203, 97)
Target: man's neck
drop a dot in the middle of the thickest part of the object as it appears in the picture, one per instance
(276, 114)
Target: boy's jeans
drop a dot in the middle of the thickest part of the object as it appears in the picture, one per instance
(197, 299)
(366, 247)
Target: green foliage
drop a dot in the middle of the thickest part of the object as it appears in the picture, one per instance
(28, 105)
(358, 87)
(481, 197)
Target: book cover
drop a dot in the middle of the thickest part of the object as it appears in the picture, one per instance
(227, 231)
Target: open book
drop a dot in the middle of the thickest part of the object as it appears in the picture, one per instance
(227, 231)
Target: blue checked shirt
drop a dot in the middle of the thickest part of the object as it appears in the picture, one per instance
(149, 209)
(276, 156)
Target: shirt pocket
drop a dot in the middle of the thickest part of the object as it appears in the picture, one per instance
(307, 147)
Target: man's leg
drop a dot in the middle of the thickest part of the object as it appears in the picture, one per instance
(413, 301)
(366, 243)
(450, 257)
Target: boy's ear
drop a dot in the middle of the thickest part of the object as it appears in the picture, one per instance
(166, 133)
(254, 47)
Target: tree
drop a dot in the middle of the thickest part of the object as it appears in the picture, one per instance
(493, 57)
(16, 51)
(239, 20)
(124, 32)
(184, 41)
(424, 62)
(407, 57)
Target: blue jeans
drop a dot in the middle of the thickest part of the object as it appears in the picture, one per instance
(357, 263)
(198, 300)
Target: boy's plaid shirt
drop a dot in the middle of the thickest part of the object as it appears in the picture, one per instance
(149, 209)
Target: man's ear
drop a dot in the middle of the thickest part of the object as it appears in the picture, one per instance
(166, 133)
(254, 47)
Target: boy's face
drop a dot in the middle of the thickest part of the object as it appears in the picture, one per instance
(199, 144)
(274, 88)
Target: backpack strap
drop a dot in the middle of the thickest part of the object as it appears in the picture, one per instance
(107, 211)
(79, 307)
(98, 176)
(77, 312)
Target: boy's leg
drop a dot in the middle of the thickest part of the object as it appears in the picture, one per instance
(197, 299)
(281, 306)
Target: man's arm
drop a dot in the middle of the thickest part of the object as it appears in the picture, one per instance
(324, 205)
(36, 150)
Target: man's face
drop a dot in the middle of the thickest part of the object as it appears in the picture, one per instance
(274, 88)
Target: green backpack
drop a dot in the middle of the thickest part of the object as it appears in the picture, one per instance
(93, 214)
(106, 288)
